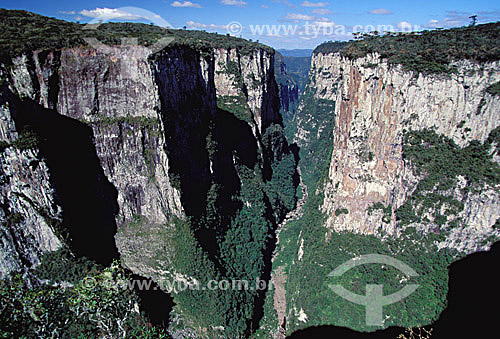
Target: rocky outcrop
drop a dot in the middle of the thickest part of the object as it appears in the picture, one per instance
(28, 212)
(248, 80)
(375, 106)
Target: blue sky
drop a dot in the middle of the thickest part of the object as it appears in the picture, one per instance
(278, 23)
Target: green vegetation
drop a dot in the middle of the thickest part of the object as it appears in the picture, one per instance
(387, 211)
(340, 211)
(441, 161)
(297, 68)
(27, 139)
(494, 89)
(291, 76)
(494, 140)
(322, 254)
(236, 105)
(97, 303)
(330, 47)
(201, 308)
(24, 31)
(240, 245)
(280, 189)
(426, 51)
(314, 117)
(145, 122)
(229, 237)
(288, 89)
(62, 265)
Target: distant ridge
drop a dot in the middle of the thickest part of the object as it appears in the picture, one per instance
(296, 52)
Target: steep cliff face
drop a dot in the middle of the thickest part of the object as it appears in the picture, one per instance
(119, 114)
(160, 160)
(396, 162)
(288, 89)
(28, 211)
(375, 107)
(245, 82)
(118, 98)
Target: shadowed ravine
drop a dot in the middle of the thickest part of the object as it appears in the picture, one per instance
(86, 196)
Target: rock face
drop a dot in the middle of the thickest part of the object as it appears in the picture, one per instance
(248, 80)
(117, 92)
(375, 106)
(288, 89)
(126, 145)
(28, 210)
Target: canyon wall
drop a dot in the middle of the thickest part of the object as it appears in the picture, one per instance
(396, 162)
(111, 151)
(375, 106)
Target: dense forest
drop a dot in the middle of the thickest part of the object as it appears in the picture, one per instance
(427, 51)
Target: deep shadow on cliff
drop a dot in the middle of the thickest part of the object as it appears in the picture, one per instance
(88, 199)
(473, 297)
(473, 300)
(154, 302)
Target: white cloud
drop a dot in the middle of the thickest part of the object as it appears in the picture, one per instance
(286, 2)
(433, 23)
(404, 26)
(456, 19)
(123, 13)
(111, 13)
(314, 4)
(264, 6)
(185, 4)
(323, 20)
(67, 12)
(322, 11)
(299, 16)
(239, 3)
(199, 25)
(381, 11)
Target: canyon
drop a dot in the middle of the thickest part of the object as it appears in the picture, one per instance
(204, 162)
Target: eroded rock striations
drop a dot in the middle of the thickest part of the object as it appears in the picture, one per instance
(182, 136)
(375, 107)
(396, 162)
